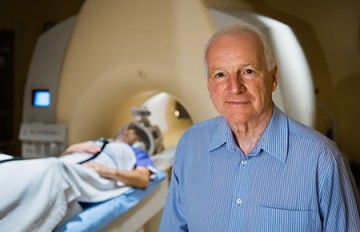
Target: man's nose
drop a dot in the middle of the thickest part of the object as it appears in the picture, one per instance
(236, 84)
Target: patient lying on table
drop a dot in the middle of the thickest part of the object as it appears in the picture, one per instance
(139, 173)
(36, 193)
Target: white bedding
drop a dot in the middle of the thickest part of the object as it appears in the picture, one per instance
(35, 194)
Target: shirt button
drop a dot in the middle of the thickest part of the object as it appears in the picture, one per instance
(243, 162)
(238, 201)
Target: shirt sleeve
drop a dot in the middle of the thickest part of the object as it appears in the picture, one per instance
(143, 158)
(339, 199)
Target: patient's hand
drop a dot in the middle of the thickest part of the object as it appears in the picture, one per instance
(101, 169)
(85, 147)
(138, 177)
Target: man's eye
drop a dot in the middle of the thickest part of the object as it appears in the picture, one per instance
(249, 71)
(219, 75)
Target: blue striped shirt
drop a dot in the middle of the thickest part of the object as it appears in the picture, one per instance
(295, 179)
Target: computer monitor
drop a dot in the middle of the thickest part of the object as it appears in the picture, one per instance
(41, 98)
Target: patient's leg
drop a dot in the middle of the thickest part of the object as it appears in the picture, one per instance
(33, 194)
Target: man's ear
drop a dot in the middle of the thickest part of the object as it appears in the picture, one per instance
(274, 77)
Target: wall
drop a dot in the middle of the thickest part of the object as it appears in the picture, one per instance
(28, 19)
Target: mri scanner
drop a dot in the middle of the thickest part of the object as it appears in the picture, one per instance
(91, 69)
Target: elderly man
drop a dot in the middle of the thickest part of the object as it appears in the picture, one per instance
(253, 168)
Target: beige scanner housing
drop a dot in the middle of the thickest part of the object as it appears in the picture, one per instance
(115, 55)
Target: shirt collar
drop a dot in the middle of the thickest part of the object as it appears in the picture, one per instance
(274, 139)
(276, 136)
(221, 135)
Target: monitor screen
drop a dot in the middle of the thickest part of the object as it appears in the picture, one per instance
(41, 98)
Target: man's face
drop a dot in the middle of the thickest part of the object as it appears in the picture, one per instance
(132, 136)
(239, 83)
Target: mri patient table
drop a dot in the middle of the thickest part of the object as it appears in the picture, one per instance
(127, 212)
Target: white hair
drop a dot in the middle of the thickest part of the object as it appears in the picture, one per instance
(239, 27)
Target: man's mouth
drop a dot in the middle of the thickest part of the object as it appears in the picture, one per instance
(237, 102)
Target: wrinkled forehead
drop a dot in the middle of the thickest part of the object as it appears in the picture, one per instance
(239, 47)
(230, 40)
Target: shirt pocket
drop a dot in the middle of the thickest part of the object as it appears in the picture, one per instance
(285, 220)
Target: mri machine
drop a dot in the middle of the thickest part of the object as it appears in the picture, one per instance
(91, 69)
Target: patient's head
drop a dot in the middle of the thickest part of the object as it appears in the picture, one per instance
(127, 135)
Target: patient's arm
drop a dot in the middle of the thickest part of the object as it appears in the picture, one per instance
(139, 177)
(85, 147)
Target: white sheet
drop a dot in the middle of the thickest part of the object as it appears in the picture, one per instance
(35, 194)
